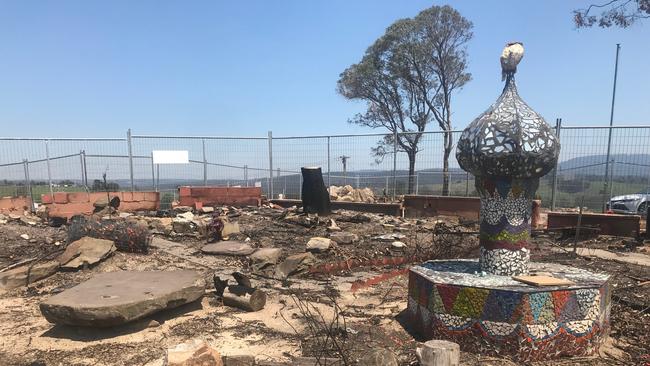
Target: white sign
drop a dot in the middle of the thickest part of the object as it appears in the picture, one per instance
(170, 157)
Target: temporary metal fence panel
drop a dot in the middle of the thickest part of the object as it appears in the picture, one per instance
(367, 160)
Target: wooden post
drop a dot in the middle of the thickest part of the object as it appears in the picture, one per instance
(315, 198)
(439, 353)
(244, 298)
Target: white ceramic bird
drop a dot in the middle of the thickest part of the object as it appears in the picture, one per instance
(510, 57)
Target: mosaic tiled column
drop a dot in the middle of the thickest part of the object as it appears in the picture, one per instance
(506, 206)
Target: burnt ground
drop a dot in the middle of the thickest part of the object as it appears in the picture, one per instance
(303, 313)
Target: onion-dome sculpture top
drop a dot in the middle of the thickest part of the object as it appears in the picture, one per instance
(509, 139)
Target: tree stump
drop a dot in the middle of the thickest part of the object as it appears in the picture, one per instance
(245, 298)
(438, 353)
(315, 198)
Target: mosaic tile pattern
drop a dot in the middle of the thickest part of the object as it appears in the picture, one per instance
(499, 316)
(506, 209)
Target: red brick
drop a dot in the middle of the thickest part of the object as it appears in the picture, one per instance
(138, 196)
(46, 198)
(127, 197)
(152, 196)
(9, 204)
(60, 197)
(78, 197)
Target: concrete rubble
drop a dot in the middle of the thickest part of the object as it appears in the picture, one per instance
(349, 194)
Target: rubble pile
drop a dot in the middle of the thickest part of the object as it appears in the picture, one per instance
(349, 194)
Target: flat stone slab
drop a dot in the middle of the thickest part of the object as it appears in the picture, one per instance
(87, 251)
(21, 276)
(228, 248)
(115, 298)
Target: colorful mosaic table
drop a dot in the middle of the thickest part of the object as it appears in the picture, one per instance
(496, 315)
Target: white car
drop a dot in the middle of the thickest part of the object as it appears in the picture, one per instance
(630, 203)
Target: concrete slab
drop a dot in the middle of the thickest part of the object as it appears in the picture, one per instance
(114, 298)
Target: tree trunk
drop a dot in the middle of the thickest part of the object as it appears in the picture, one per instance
(445, 163)
(244, 298)
(411, 187)
(438, 353)
(315, 197)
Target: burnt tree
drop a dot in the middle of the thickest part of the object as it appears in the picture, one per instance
(315, 198)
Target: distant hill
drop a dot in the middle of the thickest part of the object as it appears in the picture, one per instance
(624, 165)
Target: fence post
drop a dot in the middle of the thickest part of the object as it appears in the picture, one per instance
(558, 130)
(270, 165)
(329, 182)
(28, 185)
(417, 183)
(611, 182)
(49, 169)
(467, 184)
(205, 164)
(394, 163)
(128, 141)
(81, 165)
(85, 168)
(246, 174)
(153, 174)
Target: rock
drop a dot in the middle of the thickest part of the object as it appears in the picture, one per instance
(87, 250)
(319, 244)
(228, 248)
(24, 236)
(182, 208)
(344, 237)
(294, 264)
(193, 353)
(333, 227)
(189, 216)
(229, 228)
(379, 357)
(27, 221)
(49, 240)
(14, 217)
(18, 276)
(115, 298)
(398, 245)
(264, 257)
(207, 209)
(390, 237)
(238, 360)
(183, 226)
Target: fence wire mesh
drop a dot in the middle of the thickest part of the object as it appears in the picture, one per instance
(584, 172)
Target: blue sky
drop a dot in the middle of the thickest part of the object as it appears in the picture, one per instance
(241, 68)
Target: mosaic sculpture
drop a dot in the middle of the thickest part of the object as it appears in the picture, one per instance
(507, 149)
(477, 303)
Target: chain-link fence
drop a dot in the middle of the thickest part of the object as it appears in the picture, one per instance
(595, 164)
